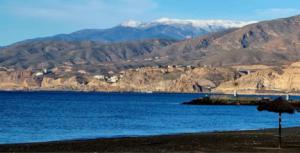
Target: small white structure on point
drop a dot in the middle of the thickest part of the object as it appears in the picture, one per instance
(287, 97)
(235, 93)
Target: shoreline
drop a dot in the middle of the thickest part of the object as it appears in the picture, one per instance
(135, 136)
(152, 92)
(232, 141)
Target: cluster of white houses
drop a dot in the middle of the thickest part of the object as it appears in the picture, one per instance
(112, 77)
(109, 79)
(42, 73)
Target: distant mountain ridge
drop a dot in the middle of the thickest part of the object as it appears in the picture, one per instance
(88, 55)
(164, 28)
(274, 42)
(268, 42)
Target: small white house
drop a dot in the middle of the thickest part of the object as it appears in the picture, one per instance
(113, 79)
(38, 74)
(99, 77)
(82, 72)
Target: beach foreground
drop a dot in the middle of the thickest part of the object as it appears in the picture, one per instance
(242, 141)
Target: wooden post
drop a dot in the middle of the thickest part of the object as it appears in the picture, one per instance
(279, 129)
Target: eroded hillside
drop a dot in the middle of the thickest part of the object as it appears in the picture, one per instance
(285, 79)
(169, 79)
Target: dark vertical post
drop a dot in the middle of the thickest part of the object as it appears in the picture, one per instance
(280, 119)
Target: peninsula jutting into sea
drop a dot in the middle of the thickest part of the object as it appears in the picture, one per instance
(150, 76)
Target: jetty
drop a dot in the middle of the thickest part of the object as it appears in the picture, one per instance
(236, 99)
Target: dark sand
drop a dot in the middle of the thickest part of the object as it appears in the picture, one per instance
(219, 142)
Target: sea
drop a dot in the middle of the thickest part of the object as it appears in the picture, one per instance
(27, 117)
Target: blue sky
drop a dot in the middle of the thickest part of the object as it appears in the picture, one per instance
(24, 19)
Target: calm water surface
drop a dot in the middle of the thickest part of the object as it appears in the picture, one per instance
(50, 116)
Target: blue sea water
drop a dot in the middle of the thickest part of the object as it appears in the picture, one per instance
(52, 116)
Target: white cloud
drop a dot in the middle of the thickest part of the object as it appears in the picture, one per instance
(81, 11)
(277, 12)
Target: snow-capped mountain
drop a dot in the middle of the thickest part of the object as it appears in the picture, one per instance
(204, 24)
(163, 28)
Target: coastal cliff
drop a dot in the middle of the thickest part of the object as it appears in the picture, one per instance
(148, 79)
(285, 79)
(243, 79)
(169, 79)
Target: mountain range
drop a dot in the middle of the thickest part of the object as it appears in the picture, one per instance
(269, 42)
(164, 28)
(162, 42)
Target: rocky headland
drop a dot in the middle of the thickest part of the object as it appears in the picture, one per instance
(251, 79)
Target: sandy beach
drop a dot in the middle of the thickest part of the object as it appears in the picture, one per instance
(219, 142)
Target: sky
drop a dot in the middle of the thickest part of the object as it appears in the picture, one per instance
(25, 19)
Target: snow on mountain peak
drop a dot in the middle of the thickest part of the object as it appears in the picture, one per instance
(205, 24)
(131, 23)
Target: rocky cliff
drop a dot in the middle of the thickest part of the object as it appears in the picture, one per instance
(243, 79)
(171, 79)
(284, 79)
(17, 80)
